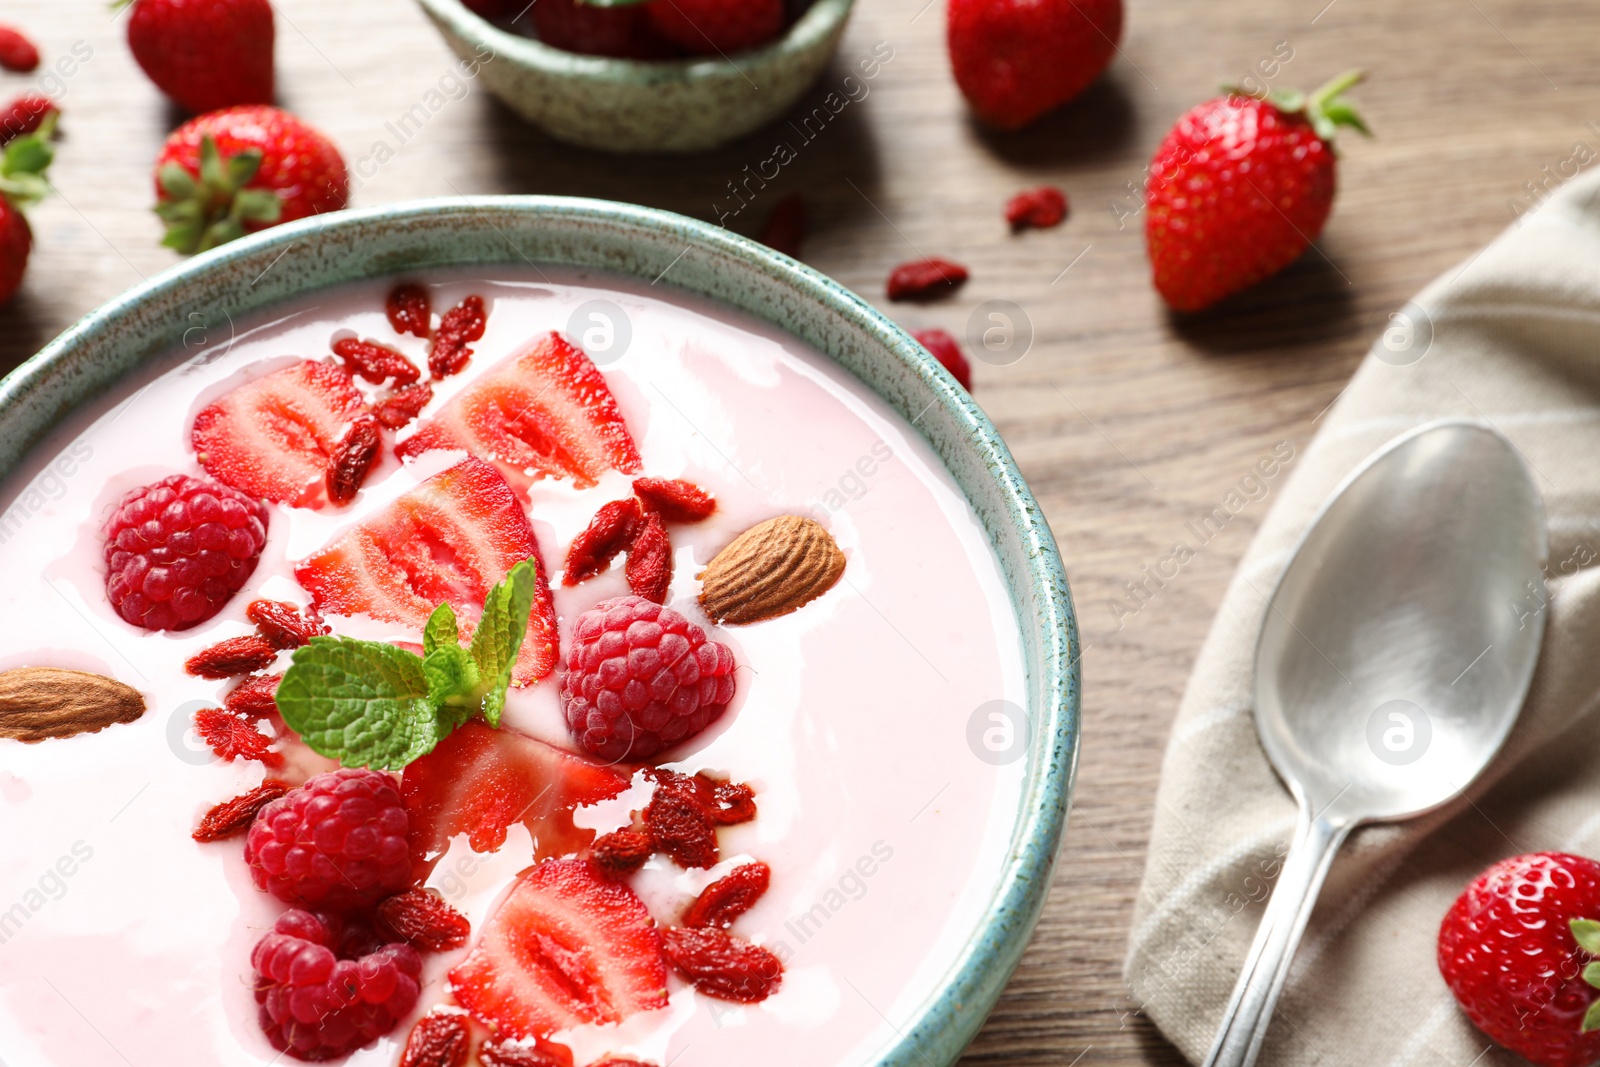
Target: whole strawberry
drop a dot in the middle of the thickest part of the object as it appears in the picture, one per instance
(1014, 60)
(205, 54)
(708, 27)
(242, 169)
(1517, 950)
(22, 184)
(1240, 187)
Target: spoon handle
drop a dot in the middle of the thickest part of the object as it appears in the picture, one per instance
(1249, 1013)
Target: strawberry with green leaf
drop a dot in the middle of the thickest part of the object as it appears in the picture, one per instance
(242, 169)
(22, 184)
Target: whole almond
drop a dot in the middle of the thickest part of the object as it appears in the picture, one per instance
(40, 703)
(771, 569)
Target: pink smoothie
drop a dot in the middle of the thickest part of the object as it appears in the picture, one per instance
(123, 941)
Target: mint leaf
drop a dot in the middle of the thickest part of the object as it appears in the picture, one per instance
(364, 703)
(500, 632)
(442, 630)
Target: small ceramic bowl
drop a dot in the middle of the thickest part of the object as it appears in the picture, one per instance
(627, 105)
(289, 261)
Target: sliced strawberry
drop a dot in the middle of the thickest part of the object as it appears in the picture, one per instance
(479, 781)
(544, 412)
(275, 437)
(566, 947)
(448, 540)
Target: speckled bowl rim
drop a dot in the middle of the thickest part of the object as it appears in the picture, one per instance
(808, 32)
(96, 352)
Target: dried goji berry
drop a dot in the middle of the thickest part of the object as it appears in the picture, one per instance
(354, 459)
(403, 405)
(925, 279)
(423, 919)
(375, 363)
(722, 965)
(409, 309)
(235, 816)
(729, 897)
(610, 531)
(458, 327)
(1037, 209)
(674, 499)
(236, 655)
(649, 568)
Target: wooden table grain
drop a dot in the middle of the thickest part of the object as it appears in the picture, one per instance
(1129, 423)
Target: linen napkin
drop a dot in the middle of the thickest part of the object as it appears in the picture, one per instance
(1511, 337)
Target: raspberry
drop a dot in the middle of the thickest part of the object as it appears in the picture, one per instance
(236, 655)
(375, 363)
(1037, 209)
(176, 551)
(253, 698)
(944, 348)
(318, 1003)
(234, 737)
(459, 326)
(423, 919)
(353, 459)
(925, 279)
(674, 500)
(610, 531)
(721, 965)
(785, 230)
(621, 852)
(640, 678)
(24, 115)
(235, 816)
(17, 53)
(439, 1039)
(409, 309)
(650, 561)
(729, 897)
(282, 625)
(337, 842)
(403, 405)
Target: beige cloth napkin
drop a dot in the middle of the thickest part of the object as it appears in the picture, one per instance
(1515, 340)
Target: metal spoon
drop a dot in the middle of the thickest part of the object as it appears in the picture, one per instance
(1395, 655)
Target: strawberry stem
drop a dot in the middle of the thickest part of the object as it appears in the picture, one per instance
(23, 163)
(212, 210)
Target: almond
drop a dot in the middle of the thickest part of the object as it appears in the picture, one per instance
(771, 569)
(39, 703)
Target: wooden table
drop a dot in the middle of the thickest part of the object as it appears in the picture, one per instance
(1127, 422)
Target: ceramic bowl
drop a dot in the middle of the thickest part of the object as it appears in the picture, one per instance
(626, 105)
(288, 261)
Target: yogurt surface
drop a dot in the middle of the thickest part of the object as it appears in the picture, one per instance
(885, 795)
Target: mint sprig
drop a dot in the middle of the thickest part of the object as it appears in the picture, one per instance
(371, 704)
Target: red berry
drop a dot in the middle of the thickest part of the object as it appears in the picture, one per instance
(17, 53)
(390, 565)
(458, 327)
(317, 1003)
(16, 242)
(545, 411)
(1037, 209)
(574, 26)
(729, 897)
(235, 656)
(1238, 190)
(234, 737)
(732, 802)
(681, 825)
(610, 532)
(252, 698)
(649, 569)
(505, 1052)
(403, 405)
(641, 678)
(621, 852)
(707, 27)
(721, 965)
(24, 115)
(282, 625)
(234, 816)
(1508, 952)
(566, 947)
(375, 363)
(1014, 60)
(947, 351)
(423, 919)
(925, 279)
(410, 309)
(337, 842)
(276, 436)
(299, 169)
(353, 459)
(785, 230)
(674, 500)
(440, 1039)
(178, 550)
(205, 56)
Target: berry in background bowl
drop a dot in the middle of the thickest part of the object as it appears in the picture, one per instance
(656, 76)
(637, 687)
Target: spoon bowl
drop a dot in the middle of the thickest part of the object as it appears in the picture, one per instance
(1394, 657)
